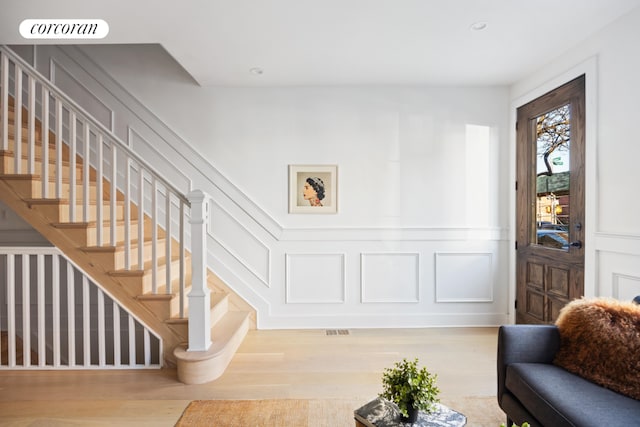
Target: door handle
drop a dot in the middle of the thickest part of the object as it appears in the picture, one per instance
(577, 244)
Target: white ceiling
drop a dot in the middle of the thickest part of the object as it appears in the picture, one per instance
(336, 42)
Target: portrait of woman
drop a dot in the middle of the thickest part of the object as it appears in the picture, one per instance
(312, 189)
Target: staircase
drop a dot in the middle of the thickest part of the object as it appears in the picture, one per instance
(74, 182)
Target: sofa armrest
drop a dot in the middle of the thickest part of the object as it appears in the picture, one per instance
(524, 344)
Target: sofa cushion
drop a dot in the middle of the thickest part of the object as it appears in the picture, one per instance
(559, 398)
(600, 341)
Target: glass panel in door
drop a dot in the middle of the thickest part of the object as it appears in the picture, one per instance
(553, 191)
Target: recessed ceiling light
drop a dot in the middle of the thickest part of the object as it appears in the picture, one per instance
(479, 26)
(256, 71)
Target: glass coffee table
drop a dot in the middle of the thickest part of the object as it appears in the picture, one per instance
(383, 413)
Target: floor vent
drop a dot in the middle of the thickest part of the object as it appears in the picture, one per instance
(337, 332)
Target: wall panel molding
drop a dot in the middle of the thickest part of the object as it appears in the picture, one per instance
(464, 277)
(390, 277)
(315, 278)
(625, 287)
(617, 243)
(394, 234)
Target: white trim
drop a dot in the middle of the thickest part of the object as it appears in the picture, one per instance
(439, 299)
(404, 234)
(265, 278)
(363, 288)
(362, 320)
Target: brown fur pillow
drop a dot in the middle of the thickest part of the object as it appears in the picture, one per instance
(600, 341)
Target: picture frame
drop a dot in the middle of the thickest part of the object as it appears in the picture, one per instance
(313, 189)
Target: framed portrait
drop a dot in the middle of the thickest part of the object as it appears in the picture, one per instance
(313, 189)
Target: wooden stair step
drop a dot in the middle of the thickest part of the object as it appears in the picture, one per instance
(168, 306)
(29, 186)
(134, 271)
(139, 282)
(114, 257)
(57, 210)
(86, 232)
(218, 306)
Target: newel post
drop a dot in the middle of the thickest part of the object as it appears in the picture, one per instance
(199, 297)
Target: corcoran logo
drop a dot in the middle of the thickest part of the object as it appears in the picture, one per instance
(64, 29)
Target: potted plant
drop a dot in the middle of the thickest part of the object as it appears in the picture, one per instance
(413, 389)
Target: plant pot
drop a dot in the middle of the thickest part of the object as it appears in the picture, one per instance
(413, 416)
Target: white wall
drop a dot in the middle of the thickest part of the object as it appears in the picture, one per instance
(400, 149)
(420, 237)
(612, 62)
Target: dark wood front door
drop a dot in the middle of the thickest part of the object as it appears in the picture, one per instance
(550, 203)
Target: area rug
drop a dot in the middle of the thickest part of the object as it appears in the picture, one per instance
(480, 412)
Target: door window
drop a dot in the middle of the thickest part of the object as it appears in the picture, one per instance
(553, 189)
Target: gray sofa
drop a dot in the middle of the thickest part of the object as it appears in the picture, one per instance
(532, 389)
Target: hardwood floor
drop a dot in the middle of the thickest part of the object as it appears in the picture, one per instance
(302, 364)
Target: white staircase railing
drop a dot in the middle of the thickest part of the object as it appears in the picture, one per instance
(53, 316)
(123, 201)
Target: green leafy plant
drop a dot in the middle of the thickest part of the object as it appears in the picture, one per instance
(410, 387)
(525, 424)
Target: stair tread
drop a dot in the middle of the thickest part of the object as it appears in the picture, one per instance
(92, 202)
(120, 245)
(51, 181)
(134, 271)
(79, 224)
(216, 298)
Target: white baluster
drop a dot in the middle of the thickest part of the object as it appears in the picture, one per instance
(72, 165)
(99, 189)
(71, 316)
(4, 100)
(59, 116)
(55, 309)
(26, 309)
(132, 341)
(167, 240)
(140, 217)
(86, 163)
(147, 347)
(31, 129)
(11, 310)
(42, 343)
(117, 337)
(127, 215)
(45, 142)
(17, 122)
(113, 199)
(181, 235)
(154, 236)
(86, 322)
(199, 297)
(102, 353)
